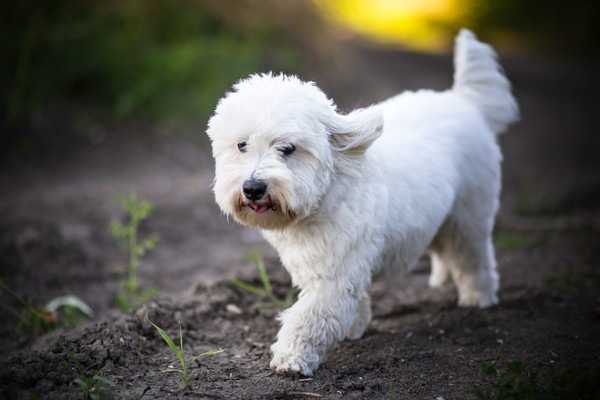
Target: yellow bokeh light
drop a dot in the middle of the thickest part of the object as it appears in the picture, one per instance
(417, 24)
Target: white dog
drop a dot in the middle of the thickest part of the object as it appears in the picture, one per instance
(344, 197)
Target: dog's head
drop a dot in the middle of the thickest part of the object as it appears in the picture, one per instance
(278, 144)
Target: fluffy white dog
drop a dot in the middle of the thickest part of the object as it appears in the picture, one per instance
(344, 197)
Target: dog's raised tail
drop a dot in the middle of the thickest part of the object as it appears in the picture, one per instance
(479, 78)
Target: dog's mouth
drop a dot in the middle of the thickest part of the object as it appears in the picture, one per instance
(259, 208)
(262, 206)
(268, 212)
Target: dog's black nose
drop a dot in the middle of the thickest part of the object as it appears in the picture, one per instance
(254, 189)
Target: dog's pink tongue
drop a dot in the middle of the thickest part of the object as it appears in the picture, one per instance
(258, 208)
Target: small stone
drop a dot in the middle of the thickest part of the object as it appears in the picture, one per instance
(233, 309)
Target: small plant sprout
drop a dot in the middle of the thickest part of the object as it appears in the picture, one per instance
(184, 371)
(129, 293)
(60, 312)
(266, 292)
(90, 385)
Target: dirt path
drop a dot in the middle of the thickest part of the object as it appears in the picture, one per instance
(54, 240)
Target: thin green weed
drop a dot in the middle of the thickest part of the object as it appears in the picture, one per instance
(266, 292)
(184, 371)
(129, 293)
(89, 384)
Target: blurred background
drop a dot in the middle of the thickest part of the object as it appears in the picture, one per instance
(105, 98)
(68, 65)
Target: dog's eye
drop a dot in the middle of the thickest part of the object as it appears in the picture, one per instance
(287, 150)
(242, 147)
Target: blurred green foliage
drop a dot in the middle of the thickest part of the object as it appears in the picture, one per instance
(551, 26)
(60, 312)
(165, 59)
(518, 381)
(173, 59)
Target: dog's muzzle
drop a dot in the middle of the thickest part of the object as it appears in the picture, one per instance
(254, 191)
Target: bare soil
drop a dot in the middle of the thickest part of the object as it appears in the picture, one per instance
(57, 202)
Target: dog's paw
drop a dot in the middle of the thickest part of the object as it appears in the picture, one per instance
(294, 358)
(438, 280)
(478, 299)
(285, 364)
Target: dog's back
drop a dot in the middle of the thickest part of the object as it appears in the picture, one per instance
(439, 150)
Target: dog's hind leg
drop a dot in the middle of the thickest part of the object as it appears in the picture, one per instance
(362, 318)
(473, 269)
(440, 273)
(464, 250)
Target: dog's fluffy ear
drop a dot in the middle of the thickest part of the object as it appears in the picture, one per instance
(353, 133)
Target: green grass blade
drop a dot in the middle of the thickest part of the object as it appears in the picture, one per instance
(248, 287)
(181, 344)
(174, 370)
(170, 342)
(104, 380)
(264, 276)
(80, 382)
(73, 359)
(207, 353)
(289, 299)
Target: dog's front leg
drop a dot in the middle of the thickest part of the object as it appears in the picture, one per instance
(321, 317)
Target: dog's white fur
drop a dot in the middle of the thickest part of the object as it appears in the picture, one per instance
(365, 192)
